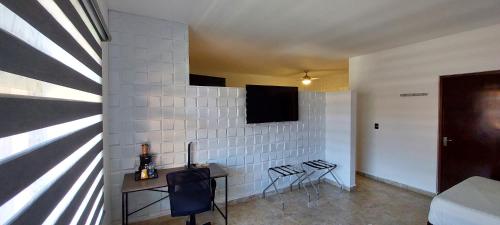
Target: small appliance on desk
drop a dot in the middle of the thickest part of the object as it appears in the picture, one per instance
(146, 168)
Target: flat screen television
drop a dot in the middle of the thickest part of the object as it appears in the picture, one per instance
(272, 104)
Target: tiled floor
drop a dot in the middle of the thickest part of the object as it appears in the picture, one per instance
(372, 203)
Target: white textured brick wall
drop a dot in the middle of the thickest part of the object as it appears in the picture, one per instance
(151, 101)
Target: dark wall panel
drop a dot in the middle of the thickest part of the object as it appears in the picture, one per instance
(203, 80)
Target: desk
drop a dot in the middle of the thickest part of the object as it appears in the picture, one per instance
(130, 185)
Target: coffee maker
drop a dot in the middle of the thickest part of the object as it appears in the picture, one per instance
(146, 168)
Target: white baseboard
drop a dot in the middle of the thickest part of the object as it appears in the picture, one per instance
(332, 182)
(396, 184)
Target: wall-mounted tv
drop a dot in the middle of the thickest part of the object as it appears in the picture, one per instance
(272, 104)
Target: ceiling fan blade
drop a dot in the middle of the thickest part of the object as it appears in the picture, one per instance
(314, 78)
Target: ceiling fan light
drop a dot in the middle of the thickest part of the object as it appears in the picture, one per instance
(306, 81)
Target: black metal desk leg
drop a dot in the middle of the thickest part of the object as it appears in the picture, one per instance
(126, 208)
(123, 209)
(226, 200)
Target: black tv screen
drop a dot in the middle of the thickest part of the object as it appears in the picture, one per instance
(272, 104)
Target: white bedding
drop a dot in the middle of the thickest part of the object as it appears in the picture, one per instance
(473, 201)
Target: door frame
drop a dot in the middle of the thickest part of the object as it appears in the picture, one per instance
(440, 119)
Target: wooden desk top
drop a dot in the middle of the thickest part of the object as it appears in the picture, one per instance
(131, 185)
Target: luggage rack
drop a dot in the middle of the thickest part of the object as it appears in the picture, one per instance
(317, 165)
(281, 172)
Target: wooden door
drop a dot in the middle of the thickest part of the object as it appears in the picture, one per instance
(469, 133)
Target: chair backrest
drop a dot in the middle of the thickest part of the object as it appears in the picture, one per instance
(189, 191)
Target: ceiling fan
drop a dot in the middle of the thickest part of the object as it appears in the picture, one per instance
(306, 79)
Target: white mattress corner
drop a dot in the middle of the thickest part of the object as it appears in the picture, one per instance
(476, 200)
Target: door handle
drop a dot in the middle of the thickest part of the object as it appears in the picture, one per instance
(446, 140)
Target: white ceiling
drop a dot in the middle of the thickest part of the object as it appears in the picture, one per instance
(283, 37)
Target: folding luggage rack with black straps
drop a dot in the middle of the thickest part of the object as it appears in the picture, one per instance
(317, 165)
(281, 172)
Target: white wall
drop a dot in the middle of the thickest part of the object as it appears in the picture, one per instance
(150, 101)
(404, 149)
(340, 133)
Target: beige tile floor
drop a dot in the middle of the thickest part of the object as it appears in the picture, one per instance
(371, 203)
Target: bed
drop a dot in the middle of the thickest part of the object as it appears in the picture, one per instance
(473, 201)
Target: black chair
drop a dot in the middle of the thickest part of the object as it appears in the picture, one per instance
(190, 193)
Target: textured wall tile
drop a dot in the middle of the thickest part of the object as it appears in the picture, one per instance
(191, 123)
(231, 132)
(221, 101)
(167, 101)
(201, 134)
(191, 91)
(202, 123)
(213, 92)
(140, 101)
(212, 102)
(167, 147)
(150, 101)
(203, 113)
(179, 102)
(155, 101)
(223, 123)
(178, 91)
(190, 134)
(154, 113)
(167, 158)
(127, 163)
(201, 102)
(190, 102)
(201, 156)
(191, 113)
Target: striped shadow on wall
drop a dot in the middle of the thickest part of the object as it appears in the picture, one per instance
(51, 150)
